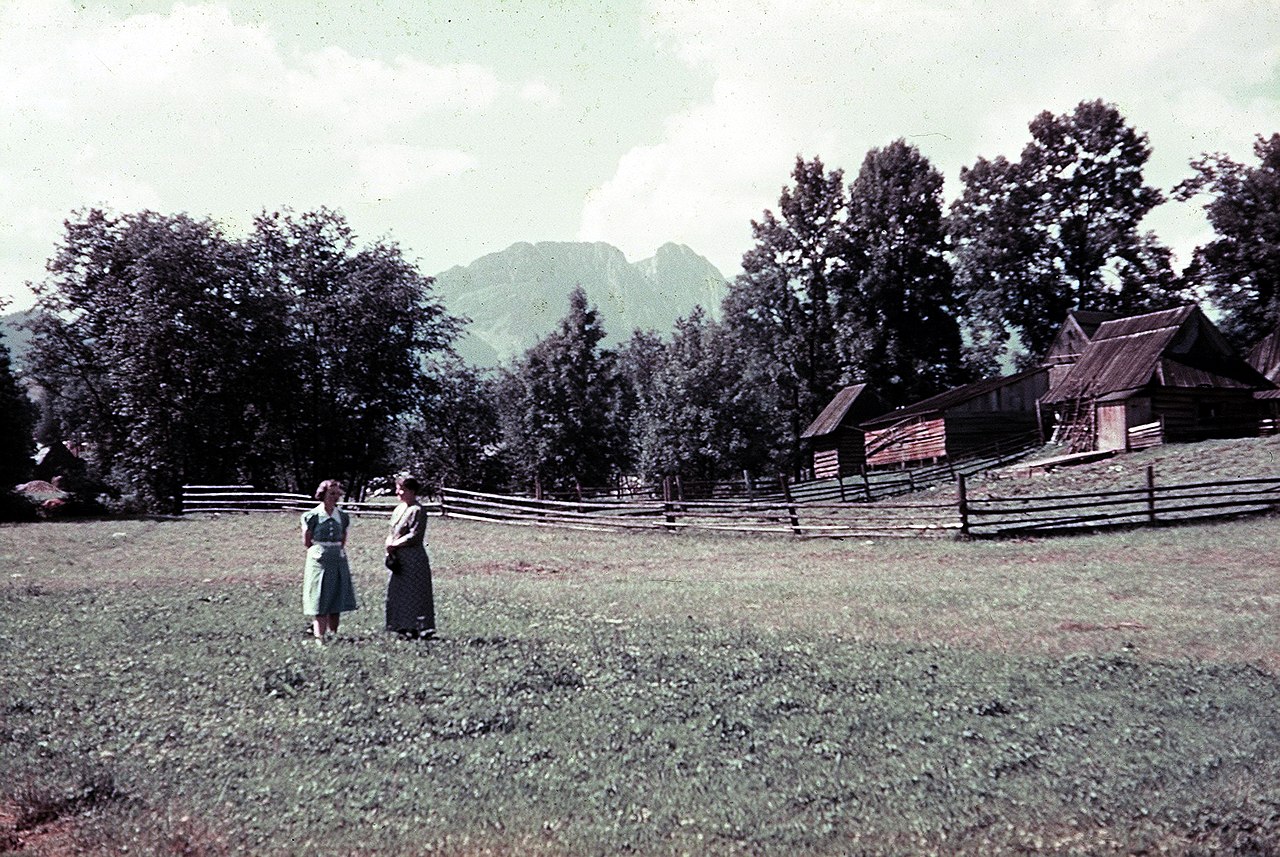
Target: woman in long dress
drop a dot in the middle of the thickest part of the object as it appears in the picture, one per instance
(327, 592)
(410, 608)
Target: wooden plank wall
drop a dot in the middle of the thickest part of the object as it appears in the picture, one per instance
(1190, 415)
(917, 440)
(966, 432)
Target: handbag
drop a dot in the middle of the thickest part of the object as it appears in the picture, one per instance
(391, 561)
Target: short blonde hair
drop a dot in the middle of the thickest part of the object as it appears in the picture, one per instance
(326, 485)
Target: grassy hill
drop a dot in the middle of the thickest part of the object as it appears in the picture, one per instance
(1176, 463)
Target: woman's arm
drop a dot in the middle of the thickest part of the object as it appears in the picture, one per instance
(411, 529)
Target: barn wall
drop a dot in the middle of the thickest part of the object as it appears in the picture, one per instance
(1196, 414)
(839, 454)
(921, 439)
(973, 432)
(1017, 396)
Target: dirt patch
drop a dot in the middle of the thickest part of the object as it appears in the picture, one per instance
(1115, 626)
(519, 567)
(18, 835)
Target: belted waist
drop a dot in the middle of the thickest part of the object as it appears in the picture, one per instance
(328, 544)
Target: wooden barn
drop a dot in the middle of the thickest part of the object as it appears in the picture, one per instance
(834, 436)
(1165, 376)
(1265, 357)
(968, 420)
(1072, 339)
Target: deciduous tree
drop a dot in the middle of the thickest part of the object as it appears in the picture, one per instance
(1058, 229)
(1240, 270)
(781, 306)
(896, 310)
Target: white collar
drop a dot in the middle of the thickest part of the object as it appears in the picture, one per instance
(320, 509)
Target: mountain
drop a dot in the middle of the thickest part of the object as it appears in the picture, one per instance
(14, 337)
(517, 296)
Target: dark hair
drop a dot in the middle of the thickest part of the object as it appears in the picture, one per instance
(409, 484)
(325, 486)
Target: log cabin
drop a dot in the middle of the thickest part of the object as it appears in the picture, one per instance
(1168, 376)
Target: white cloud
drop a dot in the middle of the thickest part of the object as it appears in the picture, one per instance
(957, 79)
(541, 93)
(200, 112)
(393, 170)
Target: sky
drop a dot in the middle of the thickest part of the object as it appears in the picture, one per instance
(456, 128)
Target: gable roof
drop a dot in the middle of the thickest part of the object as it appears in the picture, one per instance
(1172, 348)
(1073, 336)
(1265, 356)
(834, 413)
(950, 398)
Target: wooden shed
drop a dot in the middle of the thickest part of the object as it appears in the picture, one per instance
(968, 420)
(1165, 376)
(1073, 338)
(834, 436)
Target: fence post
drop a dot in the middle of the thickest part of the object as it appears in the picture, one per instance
(1151, 494)
(791, 504)
(962, 500)
(840, 482)
(444, 513)
(667, 510)
(866, 483)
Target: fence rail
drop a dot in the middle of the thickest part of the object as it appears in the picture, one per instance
(246, 498)
(800, 515)
(1148, 505)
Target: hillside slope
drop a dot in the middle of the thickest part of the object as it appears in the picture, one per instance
(517, 296)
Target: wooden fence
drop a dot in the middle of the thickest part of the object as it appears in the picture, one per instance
(962, 513)
(783, 515)
(246, 498)
(1148, 505)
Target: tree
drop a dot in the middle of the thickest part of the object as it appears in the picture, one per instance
(704, 417)
(145, 335)
(558, 406)
(360, 323)
(1240, 270)
(1058, 229)
(896, 309)
(781, 306)
(16, 423)
(452, 435)
(177, 355)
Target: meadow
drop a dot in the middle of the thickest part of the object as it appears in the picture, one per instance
(595, 693)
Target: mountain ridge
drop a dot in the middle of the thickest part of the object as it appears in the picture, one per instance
(516, 296)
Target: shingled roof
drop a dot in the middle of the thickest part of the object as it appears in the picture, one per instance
(1265, 356)
(834, 413)
(1172, 348)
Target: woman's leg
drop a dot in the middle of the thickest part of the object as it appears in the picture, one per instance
(333, 621)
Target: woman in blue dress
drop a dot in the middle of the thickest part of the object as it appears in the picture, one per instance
(410, 608)
(327, 592)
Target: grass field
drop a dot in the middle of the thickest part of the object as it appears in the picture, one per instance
(644, 693)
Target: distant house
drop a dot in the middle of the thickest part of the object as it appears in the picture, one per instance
(967, 420)
(834, 437)
(1165, 376)
(1072, 339)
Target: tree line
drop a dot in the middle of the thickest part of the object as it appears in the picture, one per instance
(175, 354)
